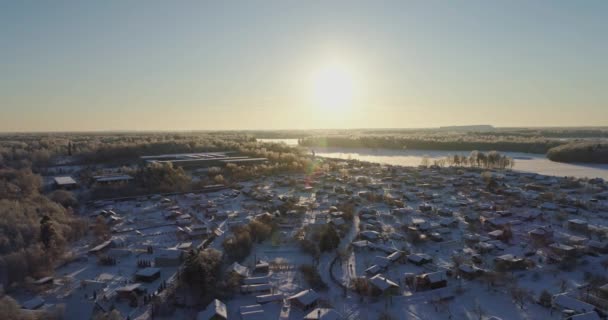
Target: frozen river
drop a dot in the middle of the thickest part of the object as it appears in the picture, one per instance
(527, 162)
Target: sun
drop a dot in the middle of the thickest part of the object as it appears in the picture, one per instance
(333, 87)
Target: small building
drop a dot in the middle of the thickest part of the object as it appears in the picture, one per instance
(373, 270)
(419, 258)
(578, 225)
(541, 235)
(562, 250)
(430, 281)
(304, 300)
(127, 291)
(564, 302)
(381, 285)
(168, 258)
(33, 304)
(65, 182)
(239, 269)
(216, 310)
(262, 267)
(147, 274)
(510, 262)
(112, 179)
(469, 272)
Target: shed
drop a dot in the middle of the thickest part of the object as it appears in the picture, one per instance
(304, 299)
(147, 274)
(65, 182)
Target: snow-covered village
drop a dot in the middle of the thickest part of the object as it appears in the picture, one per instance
(344, 240)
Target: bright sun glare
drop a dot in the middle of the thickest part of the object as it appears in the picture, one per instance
(333, 87)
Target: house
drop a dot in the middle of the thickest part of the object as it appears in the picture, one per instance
(113, 179)
(168, 257)
(469, 272)
(496, 234)
(562, 250)
(65, 182)
(510, 262)
(395, 256)
(382, 262)
(216, 310)
(92, 287)
(262, 267)
(430, 281)
(369, 235)
(541, 235)
(564, 302)
(577, 225)
(419, 258)
(381, 285)
(373, 270)
(127, 291)
(147, 274)
(304, 300)
(323, 314)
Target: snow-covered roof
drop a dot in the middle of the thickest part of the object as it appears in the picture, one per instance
(419, 257)
(239, 269)
(436, 276)
(383, 283)
(147, 272)
(371, 235)
(323, 314)
(305, 297)
(62, 181)
(216, 307)
(568, 302)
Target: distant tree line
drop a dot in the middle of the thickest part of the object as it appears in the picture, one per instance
(476, 159)
(589, 152)
(455, 142)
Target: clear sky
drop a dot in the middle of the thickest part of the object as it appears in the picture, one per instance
(189, 65)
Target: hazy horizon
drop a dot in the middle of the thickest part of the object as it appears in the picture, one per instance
(282, 65)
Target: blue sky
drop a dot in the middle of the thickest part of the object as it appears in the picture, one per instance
(145, 65)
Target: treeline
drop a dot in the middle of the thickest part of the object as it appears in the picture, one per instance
(589, 152)
(476, 159)
(435, 141)
(39, 150)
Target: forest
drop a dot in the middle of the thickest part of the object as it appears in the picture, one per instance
(586, 152)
